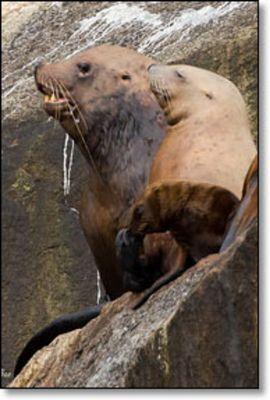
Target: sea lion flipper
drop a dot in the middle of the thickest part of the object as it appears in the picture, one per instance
(63, 324)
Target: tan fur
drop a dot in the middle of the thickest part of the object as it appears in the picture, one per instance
(210, 140)
(197, 176)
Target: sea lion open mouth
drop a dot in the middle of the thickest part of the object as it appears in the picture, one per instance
(55, 101)
(51, 103)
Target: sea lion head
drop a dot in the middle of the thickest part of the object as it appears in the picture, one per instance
(146, 215)
(102, 90)
(183, 89)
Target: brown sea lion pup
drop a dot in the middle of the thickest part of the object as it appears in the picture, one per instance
(197, 176)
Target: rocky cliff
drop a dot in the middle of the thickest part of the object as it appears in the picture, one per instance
(198, 331)
(47, 267)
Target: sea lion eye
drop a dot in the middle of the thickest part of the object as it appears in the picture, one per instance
(179, 74)
(84, 68)
(126, 77)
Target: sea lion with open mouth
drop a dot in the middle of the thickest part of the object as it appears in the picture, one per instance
(102, 99)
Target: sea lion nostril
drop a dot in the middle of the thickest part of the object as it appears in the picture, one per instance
(84, 67)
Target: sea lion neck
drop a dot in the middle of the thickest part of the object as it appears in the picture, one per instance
(118, 141)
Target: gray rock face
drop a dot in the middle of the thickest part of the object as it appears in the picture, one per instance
(199, 331)
(48, 268)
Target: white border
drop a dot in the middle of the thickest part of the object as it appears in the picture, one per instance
(264, 270)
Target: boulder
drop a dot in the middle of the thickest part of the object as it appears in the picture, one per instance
(199, 331)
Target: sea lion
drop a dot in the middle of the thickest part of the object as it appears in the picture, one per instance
(197, 175)
(102, 99)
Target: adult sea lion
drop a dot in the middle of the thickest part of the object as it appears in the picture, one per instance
(197, 176)
(102, 98)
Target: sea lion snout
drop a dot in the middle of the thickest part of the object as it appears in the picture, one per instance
(37, 64)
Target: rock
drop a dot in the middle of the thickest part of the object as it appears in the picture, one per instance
(198, 331)
(48, 268)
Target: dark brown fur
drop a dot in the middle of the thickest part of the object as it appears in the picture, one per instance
(196, 214)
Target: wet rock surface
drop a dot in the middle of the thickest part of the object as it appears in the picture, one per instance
(198, 331)
(48, 268)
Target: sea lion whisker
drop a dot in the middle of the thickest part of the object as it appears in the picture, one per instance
(64, 91)
(162, 90)
(169, 100)
(50, 81)
(51, 86)
(69, 95)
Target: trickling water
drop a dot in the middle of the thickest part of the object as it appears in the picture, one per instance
(67, 164)
(71, 157)
(98, 287)
(73, 209)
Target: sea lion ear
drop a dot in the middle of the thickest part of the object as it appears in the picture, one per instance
(179, 74)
